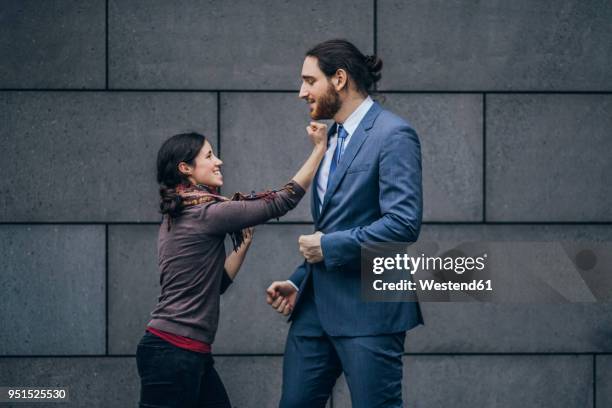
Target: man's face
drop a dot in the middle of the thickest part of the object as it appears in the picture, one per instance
(318, 91)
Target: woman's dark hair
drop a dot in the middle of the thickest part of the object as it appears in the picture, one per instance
(333, 55)
(183, 147)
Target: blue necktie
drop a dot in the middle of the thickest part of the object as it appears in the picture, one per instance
(342, 134)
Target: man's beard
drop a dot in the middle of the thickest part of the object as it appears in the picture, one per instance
(327, 105)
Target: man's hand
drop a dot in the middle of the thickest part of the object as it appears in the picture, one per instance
(281, 296)
(310, 247)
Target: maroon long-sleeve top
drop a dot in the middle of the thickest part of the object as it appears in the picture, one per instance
(191, 258)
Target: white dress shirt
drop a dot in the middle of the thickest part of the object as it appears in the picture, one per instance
(350, 125)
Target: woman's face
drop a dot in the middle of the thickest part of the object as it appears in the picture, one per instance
(206, 168)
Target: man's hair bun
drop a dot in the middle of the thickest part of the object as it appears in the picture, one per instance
(375, 65)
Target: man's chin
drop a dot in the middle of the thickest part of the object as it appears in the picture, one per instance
(314, 115)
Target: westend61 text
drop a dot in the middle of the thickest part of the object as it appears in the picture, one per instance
(430, 284)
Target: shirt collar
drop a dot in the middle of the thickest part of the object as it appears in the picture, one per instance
(351, 123)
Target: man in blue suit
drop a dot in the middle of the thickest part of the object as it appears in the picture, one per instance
(367, 189)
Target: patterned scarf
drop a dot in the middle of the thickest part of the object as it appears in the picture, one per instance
(194, 195)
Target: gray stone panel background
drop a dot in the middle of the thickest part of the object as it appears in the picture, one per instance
(133, 284)
(91, 381)
(521, 45)
(53, 289)
(52, 44)
(513, 328)
(492, 381)
(603, 379)
(226, 45)
(90, 156)
(549, 158)
(512, 105)
(251, 381)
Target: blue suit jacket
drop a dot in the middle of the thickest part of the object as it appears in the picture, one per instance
(375, 195)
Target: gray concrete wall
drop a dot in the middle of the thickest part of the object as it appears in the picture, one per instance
(513, 105)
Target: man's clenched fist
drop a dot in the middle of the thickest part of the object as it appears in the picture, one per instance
(310, 247)
(281, 296)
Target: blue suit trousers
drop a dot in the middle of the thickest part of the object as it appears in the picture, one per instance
(313, 361)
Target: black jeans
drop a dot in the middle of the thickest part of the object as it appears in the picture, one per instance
(174, 377)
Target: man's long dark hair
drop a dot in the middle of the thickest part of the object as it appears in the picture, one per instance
(333, 55)
(183, 147)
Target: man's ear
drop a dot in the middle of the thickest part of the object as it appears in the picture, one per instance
(340, 80)
(185, 168)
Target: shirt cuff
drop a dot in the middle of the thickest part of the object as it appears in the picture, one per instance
(293, 284)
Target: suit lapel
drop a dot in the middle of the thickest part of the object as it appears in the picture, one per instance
(349, 154)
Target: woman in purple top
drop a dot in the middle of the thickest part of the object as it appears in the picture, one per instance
(173, 357)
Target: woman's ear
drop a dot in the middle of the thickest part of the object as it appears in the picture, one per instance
(185, 168)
